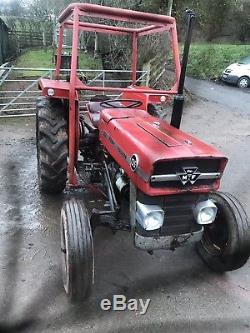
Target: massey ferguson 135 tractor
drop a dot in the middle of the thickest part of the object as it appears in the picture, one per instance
(145, 175)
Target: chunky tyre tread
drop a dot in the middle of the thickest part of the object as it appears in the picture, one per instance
(52, 145)
(238, 249)
(77, 229)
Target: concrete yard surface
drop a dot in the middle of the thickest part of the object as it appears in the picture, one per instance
(185, 295)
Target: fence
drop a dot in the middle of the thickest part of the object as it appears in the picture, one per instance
(18, 95)
(26, 38)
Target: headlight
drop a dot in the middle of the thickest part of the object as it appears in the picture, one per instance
(205, 212)
(51, 92)
(150, 217)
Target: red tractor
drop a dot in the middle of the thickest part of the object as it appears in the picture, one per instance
(141, 174)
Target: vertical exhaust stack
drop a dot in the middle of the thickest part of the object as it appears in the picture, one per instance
(179, 98)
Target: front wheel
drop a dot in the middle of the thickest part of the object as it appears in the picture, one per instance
(243, 82)
(77, 250)
(225, 245)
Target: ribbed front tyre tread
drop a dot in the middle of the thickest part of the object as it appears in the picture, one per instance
(77, 250)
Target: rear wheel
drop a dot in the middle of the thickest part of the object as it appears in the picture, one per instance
(243, 82)
(77, 250)
(225, 245)
(52, 145)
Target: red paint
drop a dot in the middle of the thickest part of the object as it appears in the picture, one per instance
(100, 28)
(134, 132)
(57, 85)
(118, 14)
(72, 104)
(153, 23)
(134, 56)
(145, 98)
(59, 52)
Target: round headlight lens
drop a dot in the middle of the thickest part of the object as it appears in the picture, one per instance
(153, 221)
(205, 212)
(207, 215)
(51, 92)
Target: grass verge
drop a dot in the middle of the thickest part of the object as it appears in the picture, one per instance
(39, 58)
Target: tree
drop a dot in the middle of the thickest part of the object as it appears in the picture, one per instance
(241, 19)
(211, 15)
(170, 7)
(43, 10)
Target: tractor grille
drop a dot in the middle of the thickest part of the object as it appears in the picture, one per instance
(179, 218)
(204, 166)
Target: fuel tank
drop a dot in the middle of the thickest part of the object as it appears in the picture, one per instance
(158, 158)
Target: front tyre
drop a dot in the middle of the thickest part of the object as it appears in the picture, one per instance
(77, 250)
(243, 82)
(225, 245)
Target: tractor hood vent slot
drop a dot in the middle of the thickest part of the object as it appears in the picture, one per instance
(159, 135)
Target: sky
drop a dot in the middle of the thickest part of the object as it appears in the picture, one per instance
(9, 1)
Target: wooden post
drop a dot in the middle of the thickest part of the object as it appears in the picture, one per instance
(44, 38)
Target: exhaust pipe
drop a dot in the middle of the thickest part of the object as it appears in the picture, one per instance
(179, 98)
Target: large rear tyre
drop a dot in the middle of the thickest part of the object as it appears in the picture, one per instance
(225, 245)
(52, 145)
(77, 251)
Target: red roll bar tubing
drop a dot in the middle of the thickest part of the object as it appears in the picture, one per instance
(158, 23)
(176, 56)
(94, 27)
(134, 57)
(73, 113)
(154, 22)
(118, 14)
(59, 51)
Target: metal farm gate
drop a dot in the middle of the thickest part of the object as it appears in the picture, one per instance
(19, 86)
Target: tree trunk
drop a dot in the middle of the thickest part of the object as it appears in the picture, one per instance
(96, 46)
(44, 39)
(170, 6)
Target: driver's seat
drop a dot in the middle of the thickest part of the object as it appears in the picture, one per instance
(95, 109)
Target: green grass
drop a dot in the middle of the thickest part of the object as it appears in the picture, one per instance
(39, 58)
(207, 61)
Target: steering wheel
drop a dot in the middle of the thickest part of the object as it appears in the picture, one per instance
(114, 103)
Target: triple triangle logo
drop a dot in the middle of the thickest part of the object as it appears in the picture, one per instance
(189, 175)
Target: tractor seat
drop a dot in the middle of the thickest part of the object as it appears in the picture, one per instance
(95, 109)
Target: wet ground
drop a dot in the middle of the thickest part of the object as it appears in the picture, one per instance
(185, 295)
(220, 92)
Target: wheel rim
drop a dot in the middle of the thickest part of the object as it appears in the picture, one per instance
(216, 236)
(64, 253)
(243, 83)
